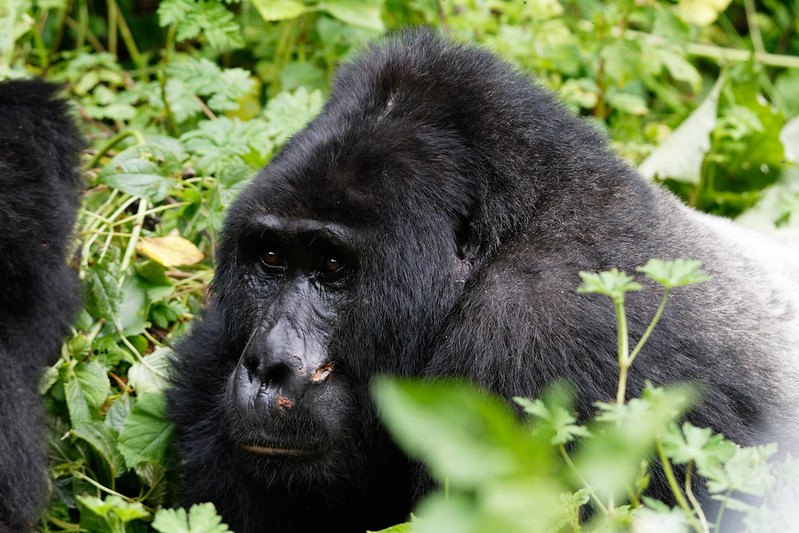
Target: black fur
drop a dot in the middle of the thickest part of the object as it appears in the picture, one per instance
(39, 195)
(468, 200)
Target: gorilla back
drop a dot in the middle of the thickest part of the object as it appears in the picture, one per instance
(432, 220)
(39, 194)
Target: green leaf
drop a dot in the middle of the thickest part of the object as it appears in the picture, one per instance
(103, 295)
(143, 170)
(202, 518)
(681, 155)
(699, 445)
(151, 373)
(287, 113)
(114, 505)
(102, 438)
(674, 273)
(118, 412)
(746, 471)
(611, 283)
(356, 13)
(462, 434)
(279, 9)
(145, 434)
(627, 103)
(86, 387)
(701, 12)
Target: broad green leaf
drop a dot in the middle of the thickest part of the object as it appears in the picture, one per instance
(681, 155)
(102, 438)
(271, 10)
(118, 412)
(201, 518)
(143, 170)
(103, 295)
(463, 435)
(627, 103)
(145, 434)
(86, 387)
(151, 373)
(356, 13)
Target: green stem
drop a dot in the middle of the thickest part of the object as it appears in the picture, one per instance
(623, 348)
(134, 238)
(577, 473)
(722, 507)
(754, 27)
(723, 54)
(113, 141)
(83, 23)
(127, 36)
(112, 26)
(694, 502)
(170, 118)
(41, 50)
(675, 488)
(651, 327)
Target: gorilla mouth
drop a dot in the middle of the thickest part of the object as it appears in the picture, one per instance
(274, 451)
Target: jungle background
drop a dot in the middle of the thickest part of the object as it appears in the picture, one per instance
(183, 100)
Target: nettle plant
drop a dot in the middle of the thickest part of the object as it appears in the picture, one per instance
(553, 473)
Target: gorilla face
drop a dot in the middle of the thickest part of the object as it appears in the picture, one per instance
(323, 287)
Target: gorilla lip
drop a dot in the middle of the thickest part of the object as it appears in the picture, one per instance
(269, 450)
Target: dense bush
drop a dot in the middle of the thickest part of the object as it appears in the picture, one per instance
(182, 100)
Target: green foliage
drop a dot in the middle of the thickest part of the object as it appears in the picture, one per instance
(201, 518)
(182, 100)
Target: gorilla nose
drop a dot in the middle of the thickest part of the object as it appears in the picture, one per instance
(263, 383)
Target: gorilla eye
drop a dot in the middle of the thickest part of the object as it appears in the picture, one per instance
(332, 264)
(272, 258)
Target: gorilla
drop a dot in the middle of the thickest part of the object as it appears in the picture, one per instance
(39, 194)
(432, 221)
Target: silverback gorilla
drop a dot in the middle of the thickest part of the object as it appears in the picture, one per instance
(39, 194)
(432, 220)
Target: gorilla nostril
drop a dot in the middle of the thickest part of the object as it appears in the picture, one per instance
(251, 364)
(276, 374)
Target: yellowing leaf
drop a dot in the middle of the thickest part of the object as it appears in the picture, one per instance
(170, 251)
(701, 12)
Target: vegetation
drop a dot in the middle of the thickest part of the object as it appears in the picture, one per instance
(184, 99)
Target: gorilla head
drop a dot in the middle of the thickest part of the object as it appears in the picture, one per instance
(432, 221)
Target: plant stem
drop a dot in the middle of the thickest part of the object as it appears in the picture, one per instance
(651, 327)
(134, 238)
(112, 26)
(623, 348)
(722, 507)
(675, 488)
(577, 473)
(113, 141)
(127, 36)
(694, 502)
